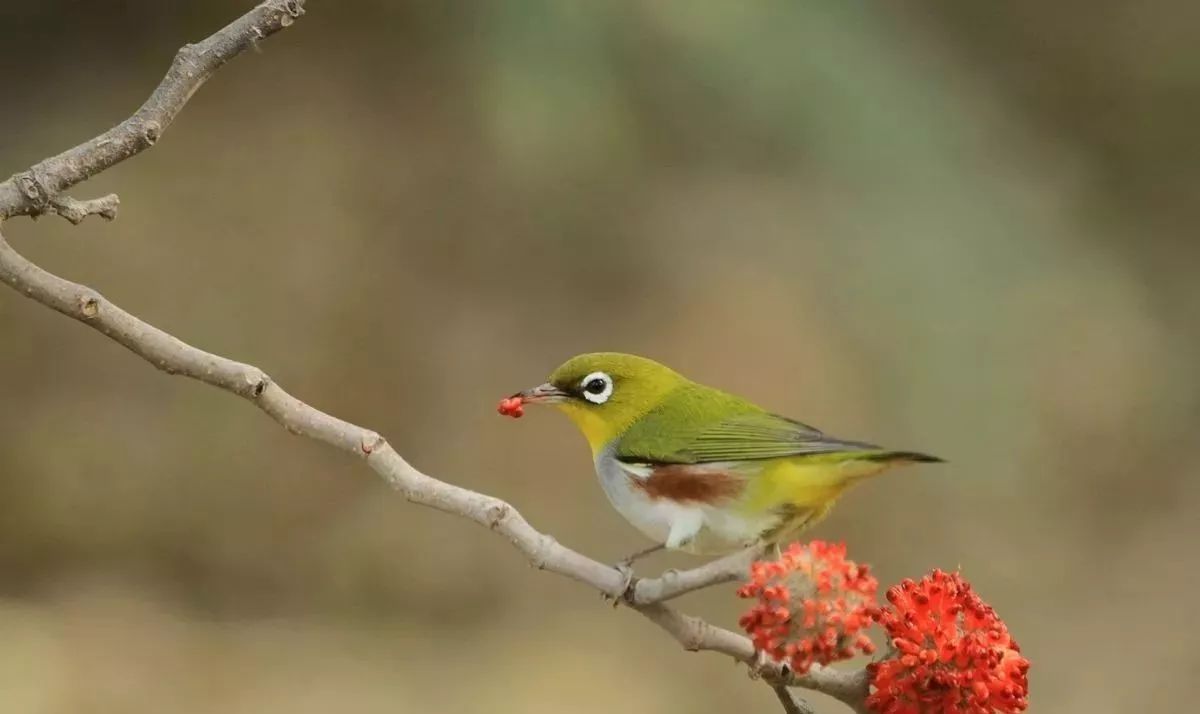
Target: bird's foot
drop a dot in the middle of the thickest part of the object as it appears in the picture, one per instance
(628, 585)
(764, 667)
(625, 568)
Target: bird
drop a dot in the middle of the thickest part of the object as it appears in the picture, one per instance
(694, 468)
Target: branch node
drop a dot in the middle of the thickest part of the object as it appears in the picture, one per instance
(546, 545)
(693, 640)
(89, 306)
(257, 382)
(33, 190)
(495, 513)
(371, 442)
(151, 131)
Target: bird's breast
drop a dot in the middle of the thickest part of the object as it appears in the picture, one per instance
(630, 501)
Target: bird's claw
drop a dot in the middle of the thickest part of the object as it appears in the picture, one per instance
(628, 584)
(764, 667)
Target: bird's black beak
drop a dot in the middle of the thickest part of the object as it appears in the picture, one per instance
(542, 394)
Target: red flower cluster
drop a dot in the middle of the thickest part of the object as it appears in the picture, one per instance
(953, 654)
(813, 606)
(512, 406)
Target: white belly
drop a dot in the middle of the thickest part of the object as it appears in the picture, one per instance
(717, 529)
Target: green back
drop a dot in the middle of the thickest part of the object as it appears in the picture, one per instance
(697, 424)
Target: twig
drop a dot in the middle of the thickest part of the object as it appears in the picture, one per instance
(75, 210)
(32, 192)
(674, 583)
(39, 190)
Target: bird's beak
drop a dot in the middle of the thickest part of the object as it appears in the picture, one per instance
(542, 394)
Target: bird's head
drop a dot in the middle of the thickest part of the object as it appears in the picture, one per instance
(604, 392)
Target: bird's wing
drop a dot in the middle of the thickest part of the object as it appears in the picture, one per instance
(717, 427)
(750, 437)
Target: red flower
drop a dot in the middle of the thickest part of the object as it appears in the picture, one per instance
(953, 654)
(813, 606)
(511, 406)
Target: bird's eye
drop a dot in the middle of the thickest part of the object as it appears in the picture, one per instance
(597, 387)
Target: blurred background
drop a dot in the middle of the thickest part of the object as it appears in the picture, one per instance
(966, 229)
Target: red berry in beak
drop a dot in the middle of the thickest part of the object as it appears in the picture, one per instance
(511, 407)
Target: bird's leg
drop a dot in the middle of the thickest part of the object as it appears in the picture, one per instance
(683, 531)
(627, 562)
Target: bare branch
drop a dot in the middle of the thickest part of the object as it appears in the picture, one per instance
(75, 210)
(39, 190)
(32, 192)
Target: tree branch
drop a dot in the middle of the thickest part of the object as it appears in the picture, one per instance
(791, 705)
(32, 192)
(174, 356)
(38, 190)
(848, 687)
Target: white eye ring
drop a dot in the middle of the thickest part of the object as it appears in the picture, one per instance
(596, 397)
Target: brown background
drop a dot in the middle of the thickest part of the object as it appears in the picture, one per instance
(966, 230)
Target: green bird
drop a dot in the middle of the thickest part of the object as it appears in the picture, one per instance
(697, 469)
